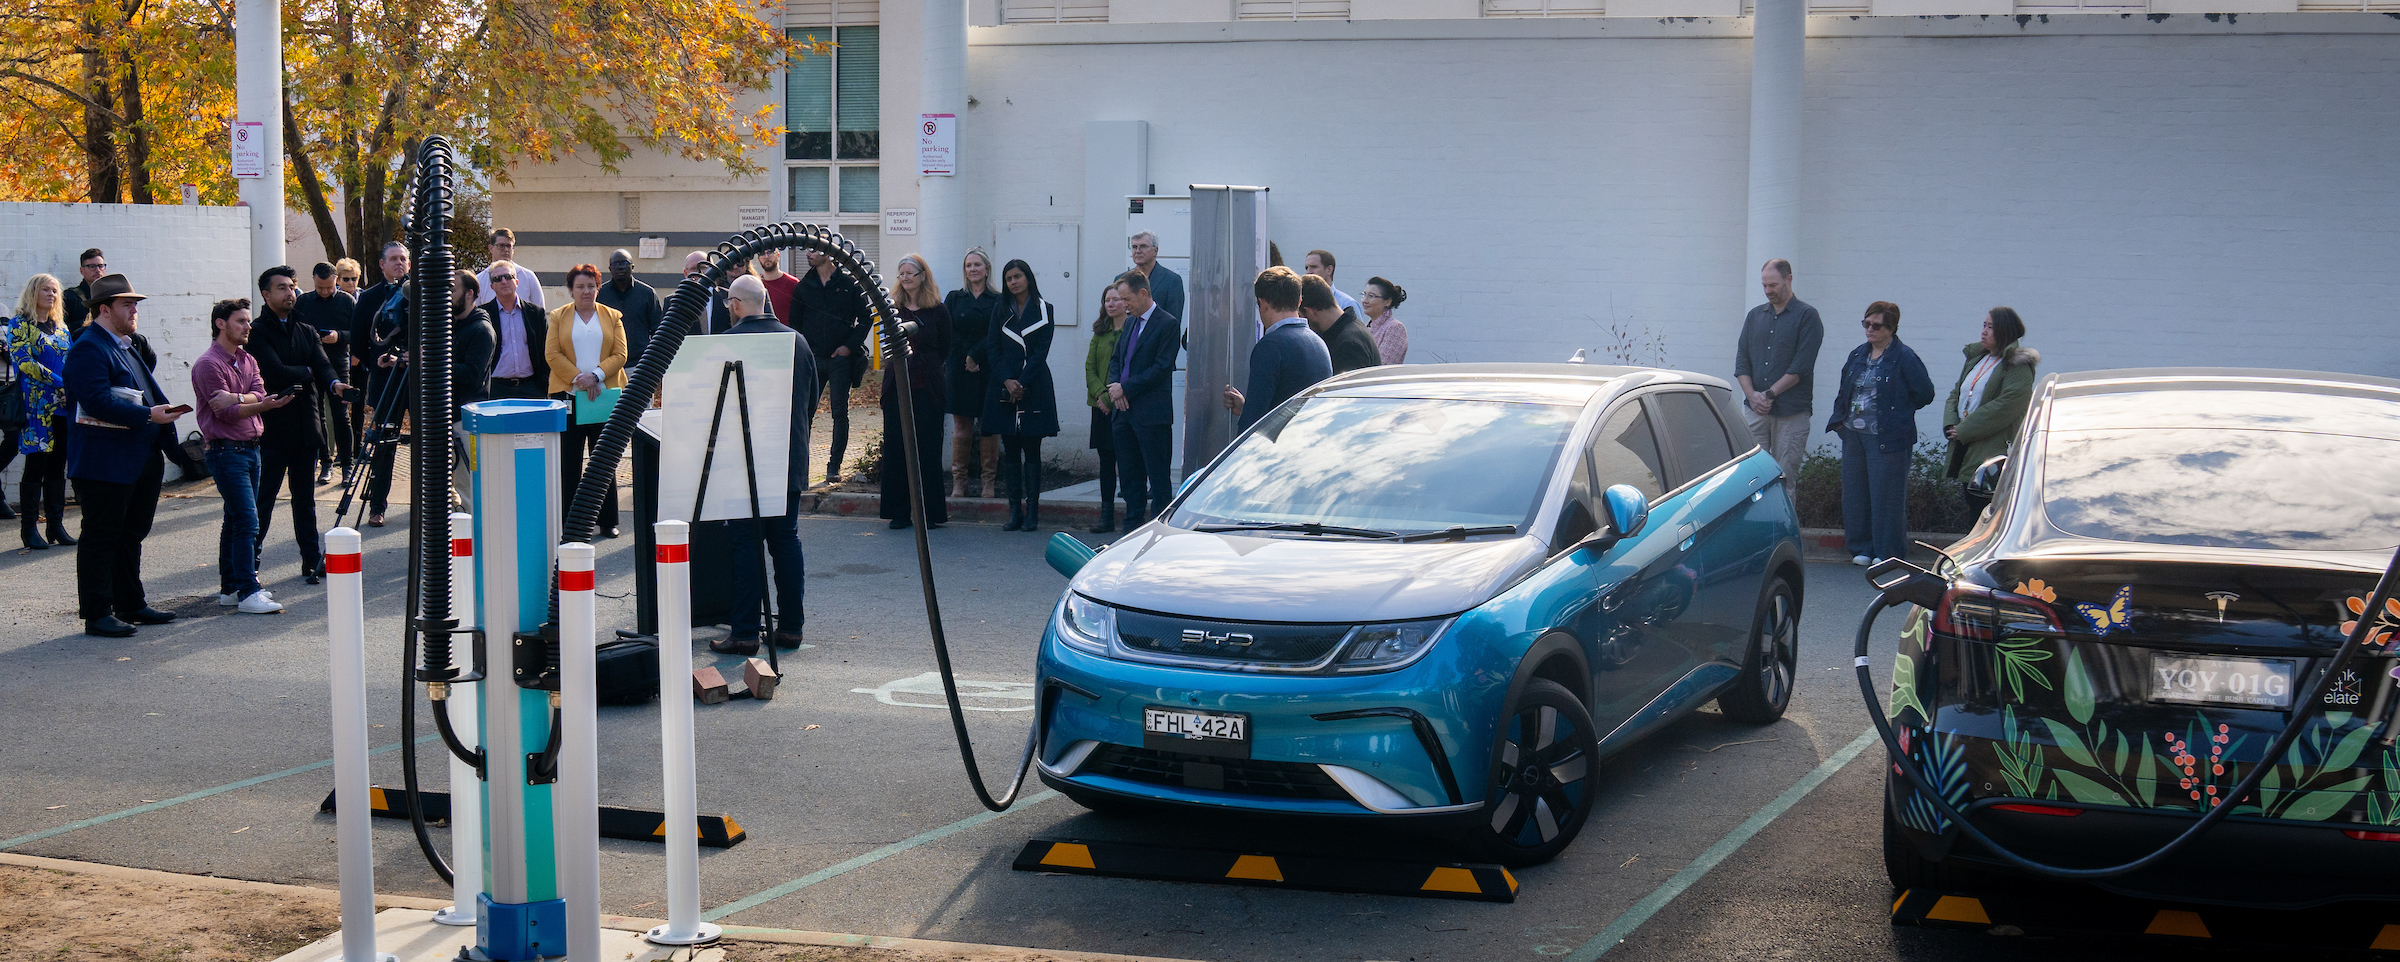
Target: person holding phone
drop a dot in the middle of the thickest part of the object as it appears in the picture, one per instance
(116, 459)
(232, 396)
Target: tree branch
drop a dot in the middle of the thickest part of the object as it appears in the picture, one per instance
(71, 93)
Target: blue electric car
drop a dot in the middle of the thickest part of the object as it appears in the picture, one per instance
(1432, 592)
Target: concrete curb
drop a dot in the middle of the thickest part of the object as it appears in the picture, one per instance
(1819, 544)
(622, 923)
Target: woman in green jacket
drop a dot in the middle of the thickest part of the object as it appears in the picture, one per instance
(1095, 395)
(1990, 397)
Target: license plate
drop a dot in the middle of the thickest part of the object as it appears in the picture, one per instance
(1192, 732)
(2221, 680)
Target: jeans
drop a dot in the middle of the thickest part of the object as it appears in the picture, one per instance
(237, 472)
(837, 374)
(293, 469)
(1142, 455)
(791, 585)
(1874, 498)
(116, 517)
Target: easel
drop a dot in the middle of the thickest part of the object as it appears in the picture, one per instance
(732, 373)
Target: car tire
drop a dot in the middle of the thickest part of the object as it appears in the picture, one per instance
(1764, 688)
(1543, 764)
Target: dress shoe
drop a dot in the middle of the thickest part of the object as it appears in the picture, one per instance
(107, 627)
(898, 523)
(311, 575)
(375, 521)
(744, 645)
(787, 640)
(147, 616)
(609, 532)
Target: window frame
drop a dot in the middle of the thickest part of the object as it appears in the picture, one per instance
(836, 165)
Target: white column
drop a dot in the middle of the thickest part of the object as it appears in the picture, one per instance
(466, 792)
(258, 96)
(675, 741)
(1777, 44)
(346, 639)
(942, 89)
(575, 803)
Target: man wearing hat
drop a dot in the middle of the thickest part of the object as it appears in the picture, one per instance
(115, 459)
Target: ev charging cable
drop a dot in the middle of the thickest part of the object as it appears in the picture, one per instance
(1894, 594)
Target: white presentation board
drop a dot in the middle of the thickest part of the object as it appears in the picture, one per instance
(689, 396)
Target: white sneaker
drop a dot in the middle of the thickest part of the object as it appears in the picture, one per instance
(227, 600)
(260, 603)
(1861, 560)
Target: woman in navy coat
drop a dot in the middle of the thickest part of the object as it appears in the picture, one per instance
(1875, 413)
(919, 299)
(1020, 405)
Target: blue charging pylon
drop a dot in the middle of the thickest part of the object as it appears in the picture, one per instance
(513, 456)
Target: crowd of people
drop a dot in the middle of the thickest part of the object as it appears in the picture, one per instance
(1883, 384)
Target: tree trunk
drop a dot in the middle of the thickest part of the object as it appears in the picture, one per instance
(137, 150)
(99, 131)
(310, 188)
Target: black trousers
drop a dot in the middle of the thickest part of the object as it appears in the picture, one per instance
(1108, 474)
(292, 470)
(894, 470)
(574, 448)
(837, 374)
(116, 517)
(1142, 453)
(1021, 466)
(533, 388)
(392, 394)
(42, 492)
(341, 443)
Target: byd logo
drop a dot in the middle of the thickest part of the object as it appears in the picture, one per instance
(1231, 639)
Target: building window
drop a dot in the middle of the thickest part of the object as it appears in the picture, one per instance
(1541, 8)
(831, 104)
(1054, 11)
(1292, 10)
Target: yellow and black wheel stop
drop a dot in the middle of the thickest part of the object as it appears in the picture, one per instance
(1440, 880)
(2347, 927)
(632, 824)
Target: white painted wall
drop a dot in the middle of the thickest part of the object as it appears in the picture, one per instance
(2185, 192)
(182, 258)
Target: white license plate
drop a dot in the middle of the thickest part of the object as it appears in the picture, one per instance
(1196, 725)
(2221, 680)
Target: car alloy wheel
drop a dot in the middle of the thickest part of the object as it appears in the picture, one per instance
(1764, 689)
(1541, 776)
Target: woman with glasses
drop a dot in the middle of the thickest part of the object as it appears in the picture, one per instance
(1376, 304)
(1883, 385)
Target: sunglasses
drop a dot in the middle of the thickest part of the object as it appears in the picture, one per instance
(1874, 325)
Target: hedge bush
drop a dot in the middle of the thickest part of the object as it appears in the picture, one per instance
(1934, 502)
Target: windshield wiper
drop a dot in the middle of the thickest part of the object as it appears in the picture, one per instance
(1458, 532)
(1304, 527)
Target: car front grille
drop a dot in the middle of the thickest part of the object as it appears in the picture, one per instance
(1240, 646)
(1239, 776)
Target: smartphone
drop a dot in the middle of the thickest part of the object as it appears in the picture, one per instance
(180, 409)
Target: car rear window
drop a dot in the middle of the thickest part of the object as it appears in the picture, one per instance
(1395, 464)
(2227, 488)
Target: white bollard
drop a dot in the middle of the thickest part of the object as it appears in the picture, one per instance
(466, 791)
(575, 802)
(675, 741)
(346, 632)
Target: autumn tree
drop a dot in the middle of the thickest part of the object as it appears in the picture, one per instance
(102, 99)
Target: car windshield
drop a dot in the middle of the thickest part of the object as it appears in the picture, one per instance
(1393, 464)
(2224, 488)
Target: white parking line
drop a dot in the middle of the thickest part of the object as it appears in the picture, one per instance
(1633, 917)
(870, 858)
(925, 691)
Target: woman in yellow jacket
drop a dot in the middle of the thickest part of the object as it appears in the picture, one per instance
(586, 348)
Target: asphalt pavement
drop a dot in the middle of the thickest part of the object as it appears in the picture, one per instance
(202, 747)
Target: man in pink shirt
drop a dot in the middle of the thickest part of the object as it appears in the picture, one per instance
(232, 395)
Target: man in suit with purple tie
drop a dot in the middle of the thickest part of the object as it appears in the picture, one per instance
(1142, 372)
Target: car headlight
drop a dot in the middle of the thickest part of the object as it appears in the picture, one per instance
(1086, 624)
(1385, 647)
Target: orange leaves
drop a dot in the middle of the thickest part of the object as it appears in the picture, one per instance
(2381, 632)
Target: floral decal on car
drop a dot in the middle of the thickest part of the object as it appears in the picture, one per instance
(2386, 621)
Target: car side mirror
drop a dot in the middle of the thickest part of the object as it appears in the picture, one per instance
(1986, 478)
(1067, 555)
(1628, 510)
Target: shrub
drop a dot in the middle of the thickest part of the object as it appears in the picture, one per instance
(1934, 502)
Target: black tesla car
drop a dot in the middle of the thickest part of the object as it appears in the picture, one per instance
(2171, 558)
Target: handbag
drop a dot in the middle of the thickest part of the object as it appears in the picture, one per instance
(12, 400)
(195, 450)
(625, 672)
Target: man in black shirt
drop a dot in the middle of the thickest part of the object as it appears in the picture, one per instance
(637, 302)
(331, 311)
(834, 320)
(291, 360)
(92, 264)
(377, 344)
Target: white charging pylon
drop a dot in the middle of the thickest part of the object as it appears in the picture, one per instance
(346, 633)
(466, 801)
(675, 741)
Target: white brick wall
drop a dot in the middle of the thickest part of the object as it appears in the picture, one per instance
(2181, 193)
(182, 258)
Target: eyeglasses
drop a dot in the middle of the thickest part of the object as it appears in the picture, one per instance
(103, 265)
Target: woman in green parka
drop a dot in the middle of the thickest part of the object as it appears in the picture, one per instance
(1989, 400)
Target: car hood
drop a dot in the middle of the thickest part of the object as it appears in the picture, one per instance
(1231, 576)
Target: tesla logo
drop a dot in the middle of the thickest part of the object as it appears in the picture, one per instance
(1232, 639)
(2222, 598)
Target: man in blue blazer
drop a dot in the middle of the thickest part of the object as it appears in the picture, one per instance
(1141, 383)
(115, 449)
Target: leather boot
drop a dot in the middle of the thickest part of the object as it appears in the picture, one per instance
(961, 445)
(58, 533)
(31, 519)
(1016, 516)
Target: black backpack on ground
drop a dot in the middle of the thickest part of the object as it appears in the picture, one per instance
(627, 672)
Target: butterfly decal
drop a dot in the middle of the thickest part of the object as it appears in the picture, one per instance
(2117, 615)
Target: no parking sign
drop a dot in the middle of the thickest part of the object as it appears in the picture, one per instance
(937, 145)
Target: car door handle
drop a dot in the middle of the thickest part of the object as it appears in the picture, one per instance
(1684, 531)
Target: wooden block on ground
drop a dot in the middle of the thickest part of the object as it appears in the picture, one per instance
(760, 678)
(709, 686)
